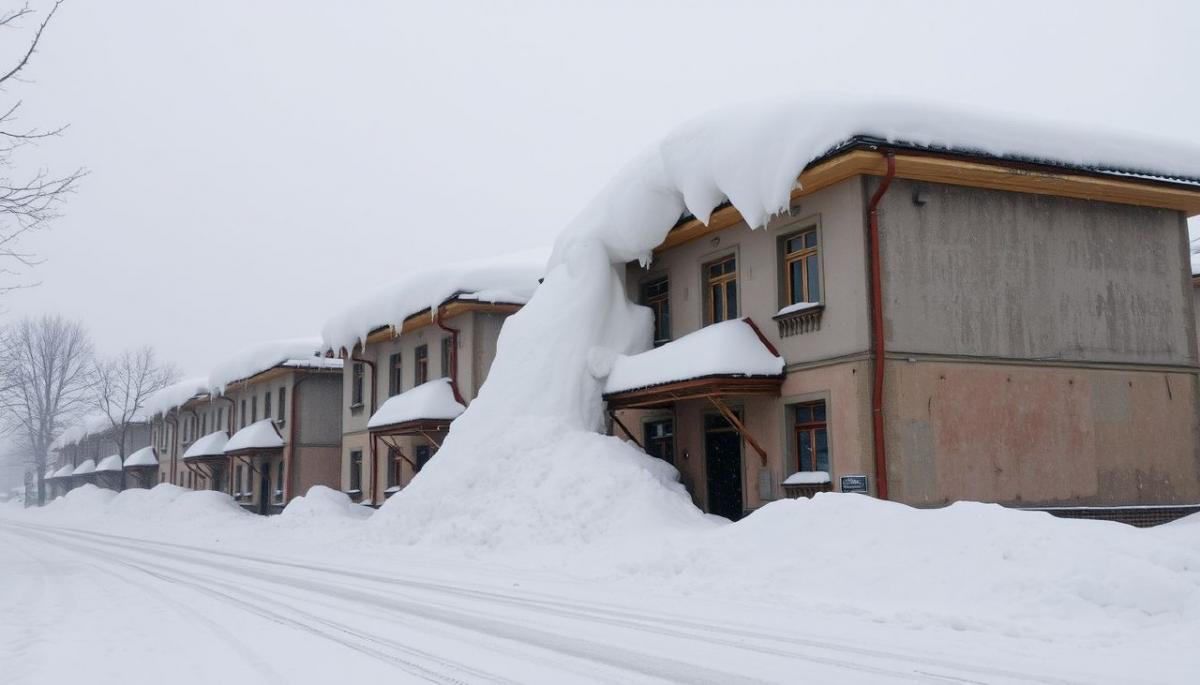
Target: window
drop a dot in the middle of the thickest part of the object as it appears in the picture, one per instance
(356, 470)
(801, 267)
(356, 385)
(393, 468)
(279, 484)
(267, 405)
(220, 419)
(421, 367)
(655, 296)
(204, 425)
(423, 455)
(395, 380)
(721, 292)
(659, 439)
(447, 353)
(812, 437)
(237, 481)
(242, 417)
(254, 409)
(282, 405)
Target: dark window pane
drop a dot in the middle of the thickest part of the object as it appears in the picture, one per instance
(814, 279)
(805, 450)
(803, 413)
(797, 282)
(731, 299)
(718, 311)
(822, 450)
(810, 239)
(793, 245)
(818, 411)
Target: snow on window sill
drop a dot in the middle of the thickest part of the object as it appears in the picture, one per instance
(798, 318)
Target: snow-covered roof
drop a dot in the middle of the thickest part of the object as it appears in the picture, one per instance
(85, 467)
(49, 473)
(147, 456)
(211, 445)
(90, 424)
(262, 356)
(729, 348)
(110, 463)
(64, 472)
(260, 435)
(751, 156)
(175, 395)
(507, 279)
(433, 401)
(314, 363)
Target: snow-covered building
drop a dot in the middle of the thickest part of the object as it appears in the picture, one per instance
(417, 351)
(179, 414)
(957, 309)
(93, 438)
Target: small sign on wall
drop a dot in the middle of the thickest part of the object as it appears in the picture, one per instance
(857, 483)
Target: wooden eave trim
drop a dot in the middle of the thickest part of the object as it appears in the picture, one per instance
(411, 428)
(696, 388)
(449, 311)
(961, 172)
(250, 451)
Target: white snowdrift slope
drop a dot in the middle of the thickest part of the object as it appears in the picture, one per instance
(432, 400)
(729, 347)
(258, 435)
(508, 278)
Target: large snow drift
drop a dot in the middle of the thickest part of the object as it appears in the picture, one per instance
(508, 279)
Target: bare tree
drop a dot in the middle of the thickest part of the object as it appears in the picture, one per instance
(45, 380)
(122, 384)
(29, 203)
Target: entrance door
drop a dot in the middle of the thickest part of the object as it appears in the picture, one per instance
(264, 489)
(723, 462)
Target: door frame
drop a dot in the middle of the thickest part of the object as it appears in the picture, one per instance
(738, 410)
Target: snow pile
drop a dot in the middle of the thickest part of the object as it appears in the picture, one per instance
(260, 435)
(175, 395)
(86, 501)
(164, 504)
(508, 279)
(110, 463)
(323, 503)
(727, 348)
(210, 445)
(431, 400)
(257, 358)
(147, 456)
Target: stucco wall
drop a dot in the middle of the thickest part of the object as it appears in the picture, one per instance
(1012, 275)
(316, 466)
(320, 409)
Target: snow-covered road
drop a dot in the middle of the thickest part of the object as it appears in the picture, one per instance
(119, 609)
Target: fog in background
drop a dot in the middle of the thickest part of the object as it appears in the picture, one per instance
(255, 165)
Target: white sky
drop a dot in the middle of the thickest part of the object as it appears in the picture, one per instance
(255, 164)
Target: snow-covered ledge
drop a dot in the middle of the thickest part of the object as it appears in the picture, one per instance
(808, 478)
(801, 317)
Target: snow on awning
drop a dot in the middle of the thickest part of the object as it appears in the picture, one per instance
(211, 445)
(110, 463)
(64, 472)
(85, 468)
(260, 435)
(432, 401)
(147, 456)
(733, 348)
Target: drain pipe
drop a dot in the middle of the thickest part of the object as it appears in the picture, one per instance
(370, 405)
(877, 352)
(229, 432)
(437, 318)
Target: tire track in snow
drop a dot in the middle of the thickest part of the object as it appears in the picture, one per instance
(667, 626)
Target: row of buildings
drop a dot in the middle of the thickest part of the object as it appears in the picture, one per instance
(925, 325)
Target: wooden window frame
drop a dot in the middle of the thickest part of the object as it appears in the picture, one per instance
(356, 458)
(421, 365)
(788, 258)
(811, 427)
(267, 406)
(357, 373)
(395, 374)
(282, 399)
(659, 303)
(723, 281)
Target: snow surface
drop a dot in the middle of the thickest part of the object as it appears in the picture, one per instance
(797, 307)
(509, 279)
(95, 422)
(324, 502)
(87, 466)
(175, 395)
(260, 357)
(431, 400)
(210, 445)
(258, 435)
(728, 348)
(807, 478)
(147, 456)
(64, 472)
(110, 463)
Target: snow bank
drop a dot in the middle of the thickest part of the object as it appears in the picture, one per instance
(163, 505)
(175, 395)
(260, 435)
(258, 358)
(509, 279)
(209, 445)
(323, 503)
(726, 348)
(147, 456)
(432, 400)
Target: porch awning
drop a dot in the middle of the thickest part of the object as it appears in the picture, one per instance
(731, 358)
(260, 436)
(208, 447)
(64, 472)
(429, 407)
(86, 468)
(109, 464)
(143, 458)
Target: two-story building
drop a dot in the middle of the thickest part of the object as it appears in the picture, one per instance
(90, 451)
(412, 367)
(929, 325)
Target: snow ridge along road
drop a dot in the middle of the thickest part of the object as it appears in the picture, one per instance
(293, 621)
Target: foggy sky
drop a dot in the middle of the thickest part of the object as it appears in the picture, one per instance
(256, 164)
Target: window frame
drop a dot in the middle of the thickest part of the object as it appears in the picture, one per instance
(357, 374)
(811, 427)
(356, 478)
(723, 281)
(421, 365)
(395, 373)
(446, 345)
(786, 259)
(659, 303)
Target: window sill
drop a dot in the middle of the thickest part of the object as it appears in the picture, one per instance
(797, 322)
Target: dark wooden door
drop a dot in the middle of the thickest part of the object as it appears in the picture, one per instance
(264, 489)
(723, 462)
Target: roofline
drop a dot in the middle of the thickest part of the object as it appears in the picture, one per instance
(283, 365)
(456, 306)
